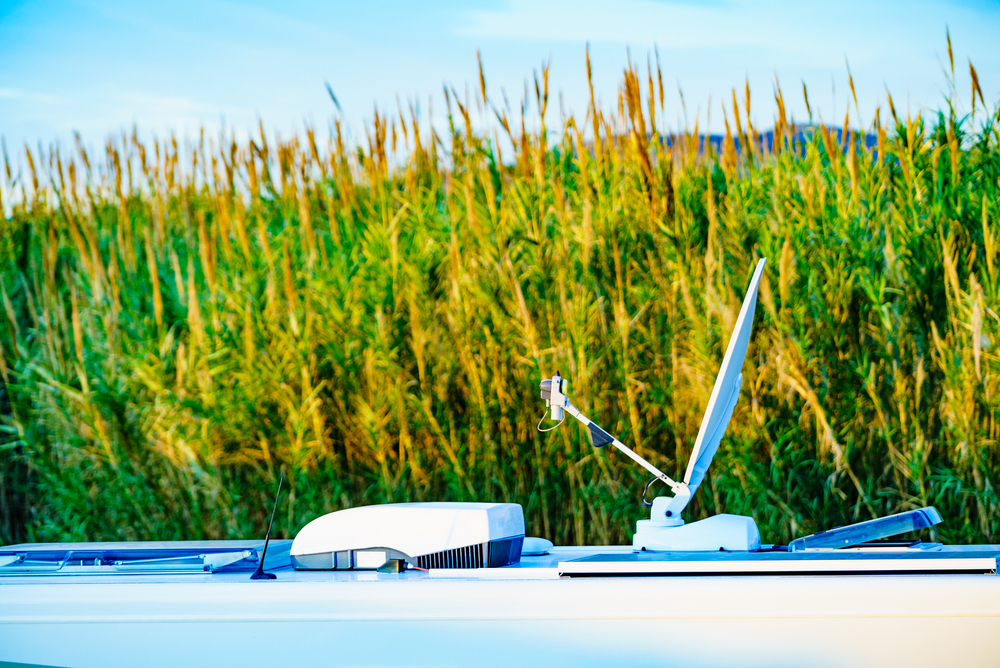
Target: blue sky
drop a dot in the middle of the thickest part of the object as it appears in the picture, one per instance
(99, 67)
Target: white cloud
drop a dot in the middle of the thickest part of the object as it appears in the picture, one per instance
(816, 36)
(32, 96)
(631, 21)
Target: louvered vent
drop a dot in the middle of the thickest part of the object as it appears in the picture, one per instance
(494, 554)
(505, 552)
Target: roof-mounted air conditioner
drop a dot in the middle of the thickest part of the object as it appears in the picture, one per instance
(426, 535)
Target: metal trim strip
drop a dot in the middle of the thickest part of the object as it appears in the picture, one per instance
(984, 565)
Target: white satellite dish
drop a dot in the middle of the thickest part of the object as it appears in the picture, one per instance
(726, 392)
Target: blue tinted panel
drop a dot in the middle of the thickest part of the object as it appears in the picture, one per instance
(865, 532)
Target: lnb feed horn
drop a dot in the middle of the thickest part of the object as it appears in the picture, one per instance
(554, 392)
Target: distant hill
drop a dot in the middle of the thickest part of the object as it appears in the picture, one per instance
(802, 135)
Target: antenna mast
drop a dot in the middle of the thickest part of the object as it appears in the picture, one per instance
(260, 573)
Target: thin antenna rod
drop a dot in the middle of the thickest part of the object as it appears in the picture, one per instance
(260, 574)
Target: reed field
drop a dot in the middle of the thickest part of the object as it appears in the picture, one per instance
(184, 321)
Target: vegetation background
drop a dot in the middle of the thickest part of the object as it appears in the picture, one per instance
(182, 324)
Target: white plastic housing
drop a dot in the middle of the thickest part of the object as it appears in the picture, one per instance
(402, 530)
(734, 533)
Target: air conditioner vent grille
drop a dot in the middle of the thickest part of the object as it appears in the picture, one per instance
(493, 554)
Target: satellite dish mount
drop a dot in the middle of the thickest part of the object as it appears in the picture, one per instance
(665, 530)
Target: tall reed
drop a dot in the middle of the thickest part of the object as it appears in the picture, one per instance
(180, 323)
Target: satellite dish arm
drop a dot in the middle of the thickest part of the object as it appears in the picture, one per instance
(555, 399)
(722, 402)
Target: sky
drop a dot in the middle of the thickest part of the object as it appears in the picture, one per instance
(99, 68)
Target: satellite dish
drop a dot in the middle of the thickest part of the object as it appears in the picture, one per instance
(726, 392)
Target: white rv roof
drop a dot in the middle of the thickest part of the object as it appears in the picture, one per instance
(576, 561)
